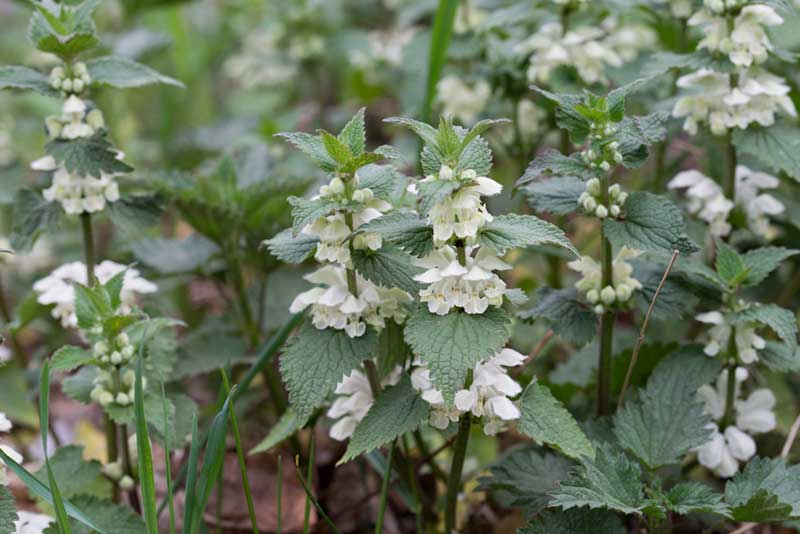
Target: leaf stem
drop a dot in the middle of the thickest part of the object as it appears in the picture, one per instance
(606, 320)
(127, 468)
(385, 490)
(730, 397)
(454, 482)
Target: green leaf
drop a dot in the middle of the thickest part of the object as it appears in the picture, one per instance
(777, 147)
(425, 131)
(15, 400)
(397, 410)
(8, 510)
(555, 163)
(571, 115)
(479, 128)
(566, 315)
(512, 231)
(651, 223)
(403, 229)
(44, 430)
(729, 264)
(312, 146)
(291, 249)
(69, 357)
(23, 78)
(336, 149)
(779, 357)
(667, 419)
(353, 135)
(286, 426)
(145, 455)
(160, 345)
(454, 343)
(109, 517)
(306, 211)
(91, 305)
(124, 73)
(434, 192)
(32, 216)
(388, 267)
(440, 40)
(87, 155)
(316, 360)
(69, 46)
(385, 181)
(580, 521)
(781, 320)
(174, 256)
(558, 195)
(547, 421)
(79, 385)
(692, 497)
(676, 299)
(762, 261)
(476, 156)
(637, 134)
(765, 491)
(210, 347)
(75, 475)
(525, 478)
(610, 480)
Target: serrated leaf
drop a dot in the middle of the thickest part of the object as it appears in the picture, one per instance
(109, 517)
(305, 211)
(67, 46)
(692, 497)
(777, 147)
(173, 256)
(124, 73)
(160, 349)
(336, 149)
(454, 343)
(79, 385)
(512, 231)
(729, 264)
(580, 521)
(652, 223)
(32, 216)
(762, 261)
(384, 181)
(208, 348)
(353, 135)
(779, 357)
(555, 163)
(8, 510)
(69, 357)
(525, 478)
(667, 419)
(397, 410)
(425, 131)
(316, 360)
(403, 229)
(286, 426)
(781, 320)
(547, 421)
(476, 156)
(676, 299)
(636, 134)
(480, 127)
(91, 304)
(434, 192)
(610, 480)
(388, 267)
(765, 491)
(558, 195)
(568, 115)
(87, 156)
(291, 249)
(567, 316)
(312, 146)
(75, 475)
(23, 78)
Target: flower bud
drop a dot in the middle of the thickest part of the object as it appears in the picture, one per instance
(127, 352)
(77, 85)
(624, 292)
(593, 186)
(123, 340)
(113, 470)
(116, 358)
(614, 210)
(101, 347)
(126, 483)
(80, 68)
(623, 196)
(589, 204)
(358, 196)
(592, 296)
(601, 212)
(66, 85)
(446, 173)
(608, 295)
(599, 309)
(605, 166)
(336, 186)
(105, 398)
(122, 399)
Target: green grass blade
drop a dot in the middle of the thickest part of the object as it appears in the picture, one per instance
(313, 500)
(44, 417)
(251, 510)
(385, 490)
(440, 41)
(146, 479)
(310, 482)
(191, 476)
(268, 351)
(167, 464)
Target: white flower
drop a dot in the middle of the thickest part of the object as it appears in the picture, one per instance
(5, 426)
(384, 47)
(746, 340)
(57, 288)
(591, 283)
(31, 523)
(706, 200)
(473, 286)
(723, 452)
(488, 397)
(746, 42)
(468, 17)
(461, 101)
(757, 205)
(353, 401)
(335, 307)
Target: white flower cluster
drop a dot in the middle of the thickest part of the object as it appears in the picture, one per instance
(488, 397)
(261, 63)
(114, 471)
(57, 288)
(746, 43)
(472, 286)
(74, 81)
(106, 392)
(385, 47)
(623, 284)
(757, 98)
(462, 101)
(336, 307)
(332, 230)
(120, 351)
(469, 16)
(747, 341)
(353, 401)
(592, 200)
(5, 426)
(680, 8)
(76, 120)
(462, 213)
(31, 522)
(708, 201)
(734, 444)
(590, 49)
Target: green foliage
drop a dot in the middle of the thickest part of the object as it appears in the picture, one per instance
(692, 497)
(109, 518)
(762, 261)
(69, 357)
(173, 256)
(397, 410)
(88, 156)
(388, 267)
(32, 217)
(124, 73)
(777, 147)
(286, 426)
(75, 475)
(566, 315)
(453, 344)
(558, 195)
(547, 421)
(511, 231)
(63, 30)
(555, 163)
(780, 320)
(23, 78)
(316, 360)
(580, 521)
(403, 229)
(765, 491)
(8, 510)
(676, 299)
(651, 223)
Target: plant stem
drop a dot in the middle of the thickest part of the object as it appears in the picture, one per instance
(385, 490)
(418, 510)
(730, 167)
(730, 394)
(606, 322)
(112, 452)
(88, 246)
(373, 377)
(127, 468)
(309, 483)
(454, 482)
(240, 455)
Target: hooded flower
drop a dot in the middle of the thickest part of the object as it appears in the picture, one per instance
(758, 205)
(353, 401)
(462, 101)
(706, 200)
(623, 284)
(5, 426)
(748, 342)
(57, 288)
